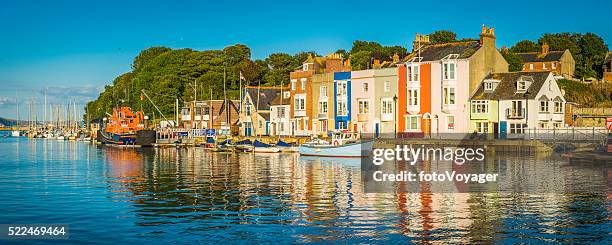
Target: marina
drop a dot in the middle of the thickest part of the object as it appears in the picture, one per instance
(186, 195)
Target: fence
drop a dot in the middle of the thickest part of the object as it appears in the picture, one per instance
(566, 134)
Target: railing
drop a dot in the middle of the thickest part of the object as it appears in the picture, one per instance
(565, 134)
(322, 115)
(363, 117)
(515, 114)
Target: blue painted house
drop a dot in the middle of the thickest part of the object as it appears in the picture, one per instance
(342, 99)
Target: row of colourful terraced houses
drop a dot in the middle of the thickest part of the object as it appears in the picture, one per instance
(458, 87)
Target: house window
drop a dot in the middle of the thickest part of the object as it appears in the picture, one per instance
(450, 122)
(488, 86)
(557, 124)
(293, 84)
(543, 124)
(449, 96)
(286, 95)
(387, 86)
(247, 108)
(303, 82)
(544, 66)
(299, 103)
(413, 73)
(323, 91)
(449, 71)
(341, 88)
(342, 125)
(521, 85)
(365, 87)
(413, 97)
(558, 107)
(530, 66)
(387, 106)
(480, 106)
(413, 123)
(543, 105)
(517, 108)
(281, 112)
(482, 127)
(342, 108)
(554, 65)
(322, 107)
(364, 106)
(281, 127)
(305, 67)
(517, 128)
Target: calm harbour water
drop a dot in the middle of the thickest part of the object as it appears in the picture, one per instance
(111, 195)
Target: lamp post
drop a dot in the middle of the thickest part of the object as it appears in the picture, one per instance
(526, 94)
(395, 116)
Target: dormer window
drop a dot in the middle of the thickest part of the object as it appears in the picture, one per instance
(521, 86)
(523, 83)
(307, 66)
(286, 95)
(488, 86)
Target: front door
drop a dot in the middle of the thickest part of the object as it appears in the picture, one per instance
(496, 130)
(376, 130)
(503, 129)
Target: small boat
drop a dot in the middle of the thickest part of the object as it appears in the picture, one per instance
(15, 133)
(244, 146)
(223, 146)
(286, 147)
(344, 144)
(61, 137)
(260, 147)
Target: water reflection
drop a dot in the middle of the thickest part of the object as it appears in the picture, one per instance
(194, 195)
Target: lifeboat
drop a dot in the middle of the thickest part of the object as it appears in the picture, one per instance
(126, 128)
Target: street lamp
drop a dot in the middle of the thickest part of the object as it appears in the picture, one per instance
(395, 116)
(526, 94)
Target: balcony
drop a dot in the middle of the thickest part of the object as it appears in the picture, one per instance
(322, 115)
(299, 113)
(385, 117)
(363, 117)
(515, 113)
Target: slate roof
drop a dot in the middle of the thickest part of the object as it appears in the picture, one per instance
(433, 52)
(506, 88)
(539, 57)
(277, 100)
(266, 96)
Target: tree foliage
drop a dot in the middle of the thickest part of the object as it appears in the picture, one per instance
(363, 52)
(525, 46)
(442, 36)
(515, 63)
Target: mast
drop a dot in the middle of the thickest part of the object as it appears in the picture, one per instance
(210, 109)
(45, 109)
(225, 105)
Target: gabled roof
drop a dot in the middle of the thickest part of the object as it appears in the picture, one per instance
(539, 57)
(506, 89)
(433, 52)
(265, 98)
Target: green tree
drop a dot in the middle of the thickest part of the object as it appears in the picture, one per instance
(514, 61)
(147, 55)
(360, 60)
(593, 52)
(525, 46)
(442, 36)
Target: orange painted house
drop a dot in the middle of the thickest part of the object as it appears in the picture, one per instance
(414, 98)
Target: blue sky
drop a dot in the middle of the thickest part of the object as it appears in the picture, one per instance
(73, 48)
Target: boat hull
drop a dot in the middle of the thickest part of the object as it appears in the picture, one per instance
(362, 149)
(140, 138)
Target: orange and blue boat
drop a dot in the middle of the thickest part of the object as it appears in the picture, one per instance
(126, 128)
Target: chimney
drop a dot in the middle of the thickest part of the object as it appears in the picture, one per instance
(545, 48)
(395, 58)
(487, 36)
(333, 62)
(419, 39)
(347, 64)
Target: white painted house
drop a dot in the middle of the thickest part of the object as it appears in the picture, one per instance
(525, 100)
(280, 120)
